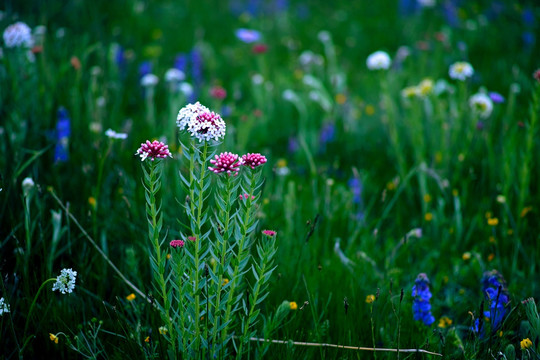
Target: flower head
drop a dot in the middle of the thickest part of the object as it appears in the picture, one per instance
(53, 338)
(496, 97)
(65, 282)
(370, 298)
(226, 162)
(4, 306)
(248, 35)
(269, 233)
(525, 343)
(444, 322)
(18, 35)
(200, 122)
(496, 293)
(149, 80)
(114, 135)
(481, 104)
(174, 75)
(27, 185)
(460, 70)
(421, 296)
(177, 244)
(131, 297)
(153, 150)
(378, 60)
(253, 160)
(218, 92)
(293, 305)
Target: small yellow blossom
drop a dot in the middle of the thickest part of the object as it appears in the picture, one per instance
(131, 297)
(525, 211)
(266, 201)
(501, 333)
(341, 98)
(488, 214)
(390, 186)
(225, 282)
(53, 338)
(281, 163)
(168, 256)
(293, 305)
(438, 157)
(525, 343)
(409, 92)
(445, 322)
(425, 87)
(466, 256)
(370, 110)
(493, 221)
(370, 298)
(428, 217)
(92, 201)
(163, 330)
(455, 192)
(427, 198)
(147, 340)
(491, 257)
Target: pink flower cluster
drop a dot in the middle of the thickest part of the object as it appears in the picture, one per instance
(226, 162)
(269, 233)
(177, 244)
(153, 150)
(246, 196)
(253, 160)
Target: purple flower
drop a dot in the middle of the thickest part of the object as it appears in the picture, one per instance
(180, 62)
(269, 233)
(327, 134)
(253, 160)
(226, 162)
(153, 150)
(496, 97)
(248, 36)
(496, 293)
(177, 244)
(63, 130)
(145, 68)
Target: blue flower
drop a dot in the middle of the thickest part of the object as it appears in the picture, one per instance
(63, 130)
(248, 36)
(496, 295)
(421, 296)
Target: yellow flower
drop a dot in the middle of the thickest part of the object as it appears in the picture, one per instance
(409, 92)
(92, 201)
(53, 338)
(493, 221)
(525, 343)
(131, 297)
(370, 110)
(525, 211)
(341, 98)
(293, 305)
(370, 298)
(225, 281)
(455, 192)
(425, 87)
(163, 330)
(427, 198)
(168, 256)
(488, 214)
(390, 186)
(147, 340)
(466, 256)
(444, 322)
(438, 157)
(281, 163)
(428, 217)
(491, 257)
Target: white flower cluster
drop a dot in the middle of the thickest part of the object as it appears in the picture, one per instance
(18, 35)
(149, 80)
(460, 70)
(379, 60)
(4, 306)
(65, 282)
(481, 104)
(200, 122)
(114, 135)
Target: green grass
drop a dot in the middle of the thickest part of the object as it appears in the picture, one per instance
(423, 163)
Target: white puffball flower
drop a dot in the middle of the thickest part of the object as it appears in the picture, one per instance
(65, 282)
(4, 306)
(149, 80)
(460, 70)
(379, 60)
(481, 104)
(27, 185)
(185, 88)
(18, 35)
(114, 135)
(174, 75)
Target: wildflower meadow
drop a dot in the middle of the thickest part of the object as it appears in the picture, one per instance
(270, 179)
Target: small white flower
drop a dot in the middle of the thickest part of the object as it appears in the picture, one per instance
(27, 185)
(426, 3)
(200, 122)
(378, 60)
(65, 282)
(460, 70)
(290, 95)
(174, 75)
(114, 135)
(60, 33)
(481, 104)
(324, 36)
(4, 306)
(185, 88)
(149, 80)
(17, 35)
(257, 79)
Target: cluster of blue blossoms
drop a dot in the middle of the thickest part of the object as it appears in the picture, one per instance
(496, 293)
(421, 296)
